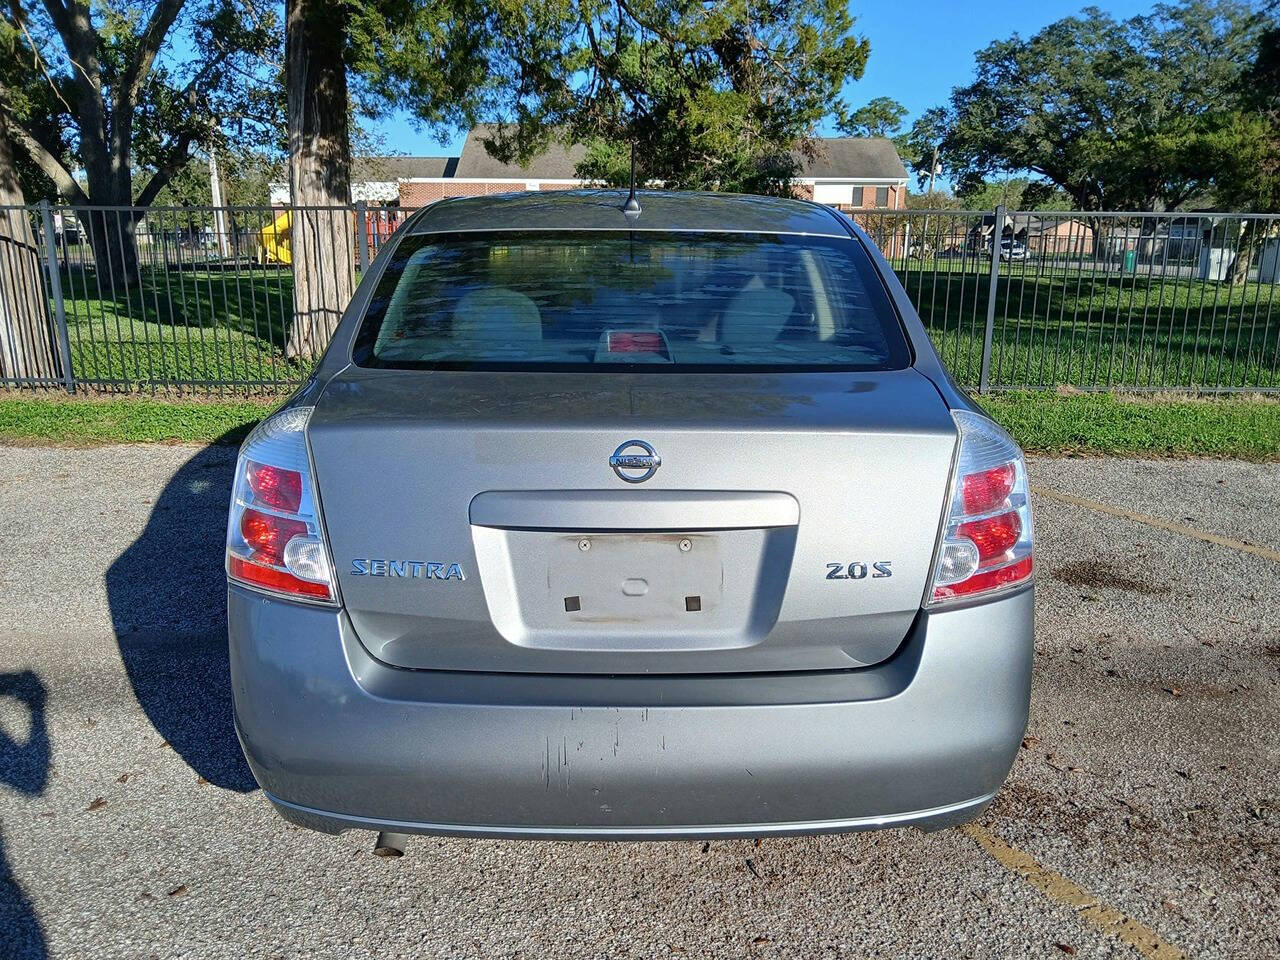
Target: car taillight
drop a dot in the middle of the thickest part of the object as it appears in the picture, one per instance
(987, 541)
(275, 541)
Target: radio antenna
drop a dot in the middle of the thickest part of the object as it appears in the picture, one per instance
(631, 209)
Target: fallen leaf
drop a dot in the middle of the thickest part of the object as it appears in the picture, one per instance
(123, 778)
(760, 940)
(751, 865)
(179, 891)
(706, 845)
(97, 803)
(1066, 948)
(202, 781)
(1172, 691)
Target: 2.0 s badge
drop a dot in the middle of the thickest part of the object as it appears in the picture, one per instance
(858, 571)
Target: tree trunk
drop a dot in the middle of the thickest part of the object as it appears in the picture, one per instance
(1249, 236)
(27, 347)
(110, 233)
(112, 237)
(322, 238)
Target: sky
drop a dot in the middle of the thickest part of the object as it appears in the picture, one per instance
(919, 50)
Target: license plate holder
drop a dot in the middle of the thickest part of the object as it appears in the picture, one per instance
(641, 579)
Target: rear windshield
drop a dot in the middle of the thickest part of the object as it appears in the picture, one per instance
(580, 300)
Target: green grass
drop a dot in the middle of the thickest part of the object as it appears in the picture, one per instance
(1242, 428)
(218, 327)
(1238, 427)
(92, 421)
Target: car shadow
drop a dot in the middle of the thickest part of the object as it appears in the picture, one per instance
(24, 766)
(167, 594)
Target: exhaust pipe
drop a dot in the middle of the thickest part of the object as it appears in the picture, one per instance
(390, 844)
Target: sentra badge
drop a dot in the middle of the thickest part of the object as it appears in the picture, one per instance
(408, 569)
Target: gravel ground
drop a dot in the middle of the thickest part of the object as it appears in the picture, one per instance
(130, 827)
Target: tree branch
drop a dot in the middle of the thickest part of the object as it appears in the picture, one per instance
(74, 24)
(72, 30)
(178, 155)
(16, 13)
(44, 158)
(157, 28)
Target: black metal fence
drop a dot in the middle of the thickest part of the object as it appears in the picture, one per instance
(203, 299)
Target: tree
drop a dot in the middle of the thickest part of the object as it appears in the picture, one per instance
(1120, 115)
(246, 177)
(722, 96)
(123, 99)
(319, 171)
(713, 96)
(438, 60)
(921, 146)
(1015, 193)
(1248, 151)
(26, 347)
(716, 96)
(938, 200)
(882, 117)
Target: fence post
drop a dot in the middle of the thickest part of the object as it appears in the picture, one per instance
(997, 237)
(55, 289)
(362, 236)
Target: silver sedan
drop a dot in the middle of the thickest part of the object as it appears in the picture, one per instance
(605, 523)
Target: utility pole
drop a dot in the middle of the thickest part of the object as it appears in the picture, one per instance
(933, 176)
(219, 216)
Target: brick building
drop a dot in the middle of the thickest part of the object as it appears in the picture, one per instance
(850, 173)
(854, 173)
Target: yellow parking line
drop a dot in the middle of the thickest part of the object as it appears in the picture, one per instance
(1186, 531)
(1061, 890)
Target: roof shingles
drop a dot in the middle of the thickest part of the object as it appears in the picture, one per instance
(557, 162)
(855, 158)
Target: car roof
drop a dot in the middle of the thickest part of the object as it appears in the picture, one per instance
(602, 210)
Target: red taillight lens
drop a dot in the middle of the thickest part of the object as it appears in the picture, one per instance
(986, 580)
(988, 489)
(987, 537)
(275, 536)
(993, 536)
(267, 534)
(275, 487)
(273, 579)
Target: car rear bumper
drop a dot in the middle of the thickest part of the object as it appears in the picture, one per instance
(339, 740)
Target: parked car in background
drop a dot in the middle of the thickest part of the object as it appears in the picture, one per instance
(1011, 249)
(611, 523)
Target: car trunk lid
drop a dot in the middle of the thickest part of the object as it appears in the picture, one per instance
(476, 522)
